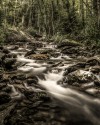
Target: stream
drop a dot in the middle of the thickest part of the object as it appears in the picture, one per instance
(74, 106)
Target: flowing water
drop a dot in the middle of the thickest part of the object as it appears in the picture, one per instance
(74, 101)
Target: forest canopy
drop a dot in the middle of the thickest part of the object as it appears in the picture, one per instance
(77, 18)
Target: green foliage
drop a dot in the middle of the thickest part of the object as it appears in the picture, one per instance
(31, 31)
(78, 19)
(57, 38)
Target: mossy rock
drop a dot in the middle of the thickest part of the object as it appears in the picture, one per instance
(48, 51)
(67, 42)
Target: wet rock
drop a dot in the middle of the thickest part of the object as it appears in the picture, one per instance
(2, 56)
(7, 89)
(95, 69)
(93, 62)
(2, 85)
(70, 70)
(9, 62)
(81, 65)
(4, 98)
(79, 76)
(97, 83)
(74, 68)
(35, 96)
(39, 56)
(1, 47)
(31, 96)
(20, 77)
(10, 55)
(47, 51)
(32, 81)
(67, 42)
(70, 51)
(30, 53)
(6, 51)
(14, 47)
(35, 44)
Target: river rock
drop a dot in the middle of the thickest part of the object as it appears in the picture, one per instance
(30, 53)
(74, 68)
(4, 98)
(67, 42)
(97, 83)
(9, 62)
(2, 85)
(32, 81)
(1, 47)
(6, 51)
(47, 51)
(7, 89)
(72, 50)
(14, 47)
(35, 44)
(79, 76)
(10, 55)
(95, 69)
(93, 61)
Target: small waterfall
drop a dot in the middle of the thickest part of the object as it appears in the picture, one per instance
(75, 101)
(22, 59)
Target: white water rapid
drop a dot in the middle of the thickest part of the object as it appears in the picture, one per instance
(73, 100)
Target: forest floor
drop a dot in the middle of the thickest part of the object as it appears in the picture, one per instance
(26, 63)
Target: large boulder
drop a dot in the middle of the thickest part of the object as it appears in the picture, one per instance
(15, 36)
(69, 43)
(74, 68)
(71, 50)
(79, 76)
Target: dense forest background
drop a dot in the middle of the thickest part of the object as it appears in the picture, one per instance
(78, 19)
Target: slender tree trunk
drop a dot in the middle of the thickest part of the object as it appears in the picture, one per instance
(82, 12)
